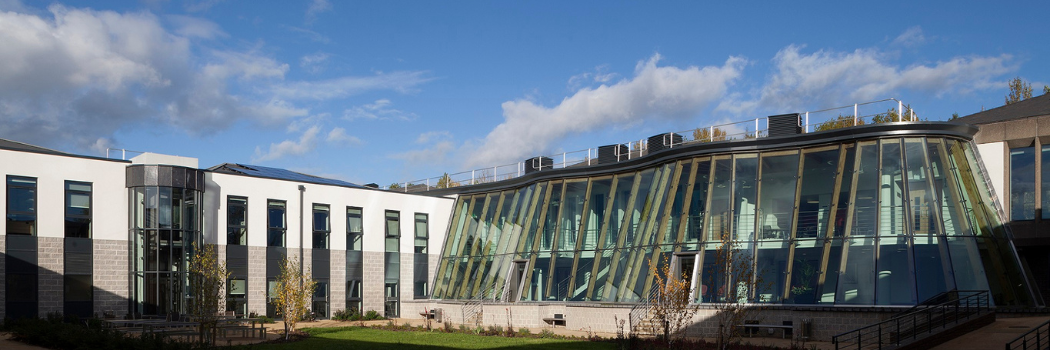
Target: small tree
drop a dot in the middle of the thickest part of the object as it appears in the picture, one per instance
(1046, 89)
(1020, 90)
(842, 121)
(445, 181)
(735, 280)
(672, 307)
(394, 186)
(293, 292)
(704, 135)
(208, 277)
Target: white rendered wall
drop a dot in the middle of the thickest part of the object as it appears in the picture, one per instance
(993, 156)
(109, 198)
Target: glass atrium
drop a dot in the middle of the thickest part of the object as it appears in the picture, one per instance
(877, 221)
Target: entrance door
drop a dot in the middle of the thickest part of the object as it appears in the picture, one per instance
(517, 274)
(391, 306)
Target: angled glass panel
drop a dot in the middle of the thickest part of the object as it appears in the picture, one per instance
(717, 224)
(697, 205)
(865, 208)
(777, 198)
(621, 198)
(933, 272)
(596, 215)
(550, 224)
(946, 189)
(891, 190)
(832, 267)
(528, 243)
(846, 176)
(857, 281)
(966, 263)
(923, 218)
(601, 280)
(805, 272)
(819, 171)
(677, 210)
(571, 214)
(633, 221)
(771, 257)
(745, 178)
(895, 284)
(656, 204)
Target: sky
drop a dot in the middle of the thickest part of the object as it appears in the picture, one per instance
(394, 91)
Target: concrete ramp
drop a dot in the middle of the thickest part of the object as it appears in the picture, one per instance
(993, 336)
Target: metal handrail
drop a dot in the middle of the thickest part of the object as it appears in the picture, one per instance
(917, 324)
(1037, 338)
(731, 131)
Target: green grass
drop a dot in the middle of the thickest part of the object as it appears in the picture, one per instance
(367, 338)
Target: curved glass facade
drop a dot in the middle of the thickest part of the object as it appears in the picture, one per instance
(877, 221)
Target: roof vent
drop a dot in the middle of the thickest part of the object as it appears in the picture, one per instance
(612, 153)
(784, 124)
(663, 141)
(535, 164)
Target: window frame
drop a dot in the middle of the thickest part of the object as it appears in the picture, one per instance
(326, 233)
(11, 185)
(90, 205)
(350, 234)
(271, 203)
(229, 226)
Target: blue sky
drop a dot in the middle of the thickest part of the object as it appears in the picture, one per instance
(391, 91)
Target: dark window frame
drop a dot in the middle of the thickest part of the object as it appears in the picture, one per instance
(230, 226)
(270, 228)
(350, 233)
(74, 217)
(327, 231)
(11, 213)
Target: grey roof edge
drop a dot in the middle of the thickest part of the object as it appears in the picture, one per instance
(224, 168)
(18, 146)
(1028, 108)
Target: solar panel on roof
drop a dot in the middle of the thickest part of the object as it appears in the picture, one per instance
(282, 174)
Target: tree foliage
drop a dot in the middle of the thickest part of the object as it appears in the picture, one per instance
(1046, 89)
(445, 181)
(672, 307)
(394, 186)
(705, 135)
(1020, 90)
(293, 292)
(208, 277)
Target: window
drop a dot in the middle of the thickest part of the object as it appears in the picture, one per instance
(354, 229)
(1022, 183)
(353, 295)
(320, 299)
(393, 230)
(21, 205)
(275, 223)
(1045, 153)
(236, 296)
(237, 220)
(78, 209)
(422, 267)
(322, 226)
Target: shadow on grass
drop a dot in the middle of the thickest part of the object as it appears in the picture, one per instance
(366, 338)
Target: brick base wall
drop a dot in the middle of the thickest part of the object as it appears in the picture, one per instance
(51, 263)
(110, 276)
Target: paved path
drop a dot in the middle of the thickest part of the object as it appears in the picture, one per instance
(993, 336)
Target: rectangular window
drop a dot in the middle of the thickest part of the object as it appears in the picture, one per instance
(422, 266)
(236, 292)
(1022, 183)
(353, 295)
(354, 228)
(393, 230)
(78, 209)
(21, 205)
(1044, 175)
(275, 222)
(322, 226)
(236, 220)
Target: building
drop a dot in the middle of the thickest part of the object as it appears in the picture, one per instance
(1014, 141)
(88, 236)
(869, 220)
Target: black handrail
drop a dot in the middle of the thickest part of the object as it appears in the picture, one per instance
(917, 324)
(1035, 339)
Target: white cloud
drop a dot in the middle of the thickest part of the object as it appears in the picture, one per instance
(378, 110)
(201, 5)
(307, 142)
(403, 82)
(193, 27)
(312, 35)
(438, 145)
(829, 78)
(338, 136)
(911, 37)
(317, 7)
(429, 136)
(314, 63)
(600, 75)
(654, 92)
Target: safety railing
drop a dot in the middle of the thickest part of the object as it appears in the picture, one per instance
(881, 111)
(917, 324)
(1036, 339)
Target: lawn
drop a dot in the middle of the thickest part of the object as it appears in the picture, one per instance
(367, 338)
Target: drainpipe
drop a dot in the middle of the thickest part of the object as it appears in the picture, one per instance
(302, 189)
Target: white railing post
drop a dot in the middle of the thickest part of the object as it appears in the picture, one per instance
(123, 154)
(564, 159)
(900, 111)
(711, 133)
(428, 184)
(494, 173)
(854, 114)
(807, 122)
(756, 129)
(472, 181)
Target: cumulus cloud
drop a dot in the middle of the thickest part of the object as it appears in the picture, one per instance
(306, 143)
(339, 137)
(830, 78)
(312, 35)
(378, 110)
(654, 92)
(600, 75)
(74, 76)
(437, 145)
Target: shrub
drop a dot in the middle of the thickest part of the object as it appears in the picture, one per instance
(372, 315)
(524, 331)
(546, 333)
(59, 333)
(346, 315)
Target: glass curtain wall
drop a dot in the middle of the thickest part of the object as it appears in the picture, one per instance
(165, 224)
(888, 221)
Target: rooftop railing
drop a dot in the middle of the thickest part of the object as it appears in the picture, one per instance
(874, 112)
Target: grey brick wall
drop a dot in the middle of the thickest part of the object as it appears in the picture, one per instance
(50, 261)
(257, 280)
(3, 276)
(337, 298)
(110, 276)
(372, 286)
